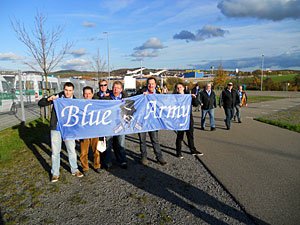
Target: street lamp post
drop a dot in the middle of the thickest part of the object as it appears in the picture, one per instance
(106, 32)
(262, 72)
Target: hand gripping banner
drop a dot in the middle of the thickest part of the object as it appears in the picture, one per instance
(80, 118)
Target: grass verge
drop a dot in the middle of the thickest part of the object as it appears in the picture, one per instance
(292, 127)
(254, 99)
(15, 140)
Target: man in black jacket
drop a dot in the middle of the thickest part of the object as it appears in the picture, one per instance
(150, 89)
(56, 139)
(208, 104)
(228, 99)
(196, 91)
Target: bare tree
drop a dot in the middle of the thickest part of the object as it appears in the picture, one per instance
(42, 44)
(98, 64)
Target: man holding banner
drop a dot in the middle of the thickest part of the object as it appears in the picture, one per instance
(189, 132)
(56, 137)
(150, 89)
(117, 142)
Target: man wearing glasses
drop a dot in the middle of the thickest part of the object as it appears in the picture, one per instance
(104, 92)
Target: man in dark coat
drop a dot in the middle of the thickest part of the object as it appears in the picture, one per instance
(208, 104)
(196, 91)
(228, 99)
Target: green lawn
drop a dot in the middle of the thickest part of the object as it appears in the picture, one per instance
(293, 127)
(275, 78)
(254, 99)
(288, 119)
(15, 140)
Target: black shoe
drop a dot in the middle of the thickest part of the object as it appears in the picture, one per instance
(212, 129)
(162, 162)
(85, 173)
(196, 153)
(124, 165)
(202, 128)
(228, 128)
(240, 121)
(106, 167)
(234, 119)
(180, 156)
(98, 170)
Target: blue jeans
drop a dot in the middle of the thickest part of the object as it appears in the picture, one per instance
(56, 141)
(118, 144)
(229, 112)
(155, 143)
(237, 112)
(211, 113)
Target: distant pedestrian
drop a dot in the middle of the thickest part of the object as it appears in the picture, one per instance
(186, 90)
(243, 101)
(86, 143)
(189, 132)
(165, 89)
(208, 102)
(150, 89)
(196, 90)
(56, 139)
(228, 99)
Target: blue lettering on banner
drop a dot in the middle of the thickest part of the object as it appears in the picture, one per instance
(80, 118)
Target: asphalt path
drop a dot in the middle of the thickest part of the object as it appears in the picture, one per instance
(256, 162)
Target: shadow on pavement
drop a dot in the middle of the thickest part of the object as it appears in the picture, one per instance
(149, 145)
(177, 192)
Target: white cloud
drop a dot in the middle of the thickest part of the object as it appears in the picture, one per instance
(76, 64)
(144, 53)
(261, 9)
(10, 56)
(77, 52)
(87, 24)
(152, 43)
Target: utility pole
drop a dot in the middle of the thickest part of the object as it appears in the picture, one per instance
(106, 32)
(262, 72)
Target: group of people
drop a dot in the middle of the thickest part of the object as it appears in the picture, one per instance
(230, 99)
(117, 143)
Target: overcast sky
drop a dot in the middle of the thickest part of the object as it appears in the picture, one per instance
(171, 34)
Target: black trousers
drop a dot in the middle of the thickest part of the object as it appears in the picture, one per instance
(189, 135)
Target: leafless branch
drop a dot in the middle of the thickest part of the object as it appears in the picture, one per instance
(41, 43)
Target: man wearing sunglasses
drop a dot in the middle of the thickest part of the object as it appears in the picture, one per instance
(104, 92)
